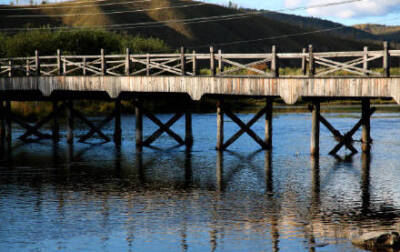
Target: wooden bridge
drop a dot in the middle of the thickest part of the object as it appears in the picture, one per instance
(307, 75)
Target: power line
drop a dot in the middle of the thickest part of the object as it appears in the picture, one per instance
(155, 23)
(72, 6)
(104, 13)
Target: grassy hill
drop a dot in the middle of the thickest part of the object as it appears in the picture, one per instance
(390, 33)
(197, 35)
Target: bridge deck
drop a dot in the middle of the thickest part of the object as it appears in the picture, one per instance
(289, 89)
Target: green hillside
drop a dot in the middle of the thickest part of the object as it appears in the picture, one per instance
(196, 35)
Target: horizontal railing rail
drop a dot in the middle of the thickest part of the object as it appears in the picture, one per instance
(216, 63)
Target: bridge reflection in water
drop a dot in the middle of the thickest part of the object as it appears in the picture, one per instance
(177, 190)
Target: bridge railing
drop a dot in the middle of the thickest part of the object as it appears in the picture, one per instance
(215, 63)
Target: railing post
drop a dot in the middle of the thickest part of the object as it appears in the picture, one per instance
(304, 62)
(28, 67)
(10, 69)
(311, 72)
(386, 60)
(64, 63)
(103, 62)
(274, 63)
(59, 63)
(37, 63)
(212, 61)
(194, 63)
(220, 62)
(365, 61)
(183, 61)
(147, 64)
(84, 66)
(127, 62)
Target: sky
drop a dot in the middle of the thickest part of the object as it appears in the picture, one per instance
(385, 12)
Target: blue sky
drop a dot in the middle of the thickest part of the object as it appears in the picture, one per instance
(365, 11)
(385, 12)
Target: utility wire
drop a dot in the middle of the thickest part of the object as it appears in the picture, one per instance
(104, 13)
(72, 6)
(170, 7)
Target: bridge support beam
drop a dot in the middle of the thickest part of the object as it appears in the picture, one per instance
(139, 125)
(315, 110)
(70, 122)
(244, 128)
(366, 126)
(117, 118)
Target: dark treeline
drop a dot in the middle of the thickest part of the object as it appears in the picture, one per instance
(75, 42)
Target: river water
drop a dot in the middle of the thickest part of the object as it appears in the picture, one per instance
(96, 197)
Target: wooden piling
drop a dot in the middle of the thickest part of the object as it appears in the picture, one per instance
(139, 124)
(8, 126)
(268, 123)
(274, 63)
(183, 61)
(212, 61)
(366, 126)
(56, 127)
(315, 129)
(304, 62)
(2, 122)
(188, 129)
(386, 60)
(311, 71)
(220, 125)
(117, 128)
(70, 122)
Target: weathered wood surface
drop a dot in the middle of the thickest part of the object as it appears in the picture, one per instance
(290, 89)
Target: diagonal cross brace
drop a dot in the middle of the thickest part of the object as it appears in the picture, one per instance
(99, 127)
(88, 123)
(347, 138)
(242, 131)
(162, 127)
(35, 129)
(246, 128)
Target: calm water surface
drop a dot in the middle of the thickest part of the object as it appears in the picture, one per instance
(96, 197)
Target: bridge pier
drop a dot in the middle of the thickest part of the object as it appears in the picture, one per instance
(366, 126)
(315, 110)
(244, 127)
(70, 121)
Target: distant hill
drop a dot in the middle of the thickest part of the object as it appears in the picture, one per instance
(194, 34)
(390, 33)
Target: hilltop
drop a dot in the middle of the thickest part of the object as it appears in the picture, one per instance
(197, 34)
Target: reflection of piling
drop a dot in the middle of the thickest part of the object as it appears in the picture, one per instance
(188, 168)
(268, 172)
(365, 181)
(219, 171)
(315, 187)
(139, 166)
